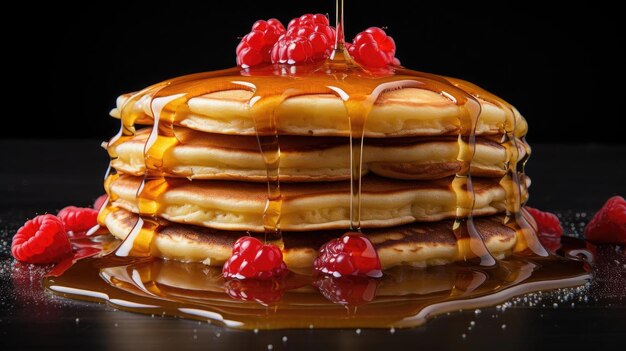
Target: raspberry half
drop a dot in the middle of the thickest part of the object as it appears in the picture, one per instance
(608, 225)
(353, 254)
(78, 219)
(251, 259)
(548, 227)
(41, 240)
(373, 48)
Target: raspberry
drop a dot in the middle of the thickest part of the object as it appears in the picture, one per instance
(373, 48)
(78, 219)
(264, 292)
(352, 254)
(41, 240)
(608, 225)
(252, 259)
(292, 50)
(99, 202)
(309, 20)
(548, 227)
(255, 46)
(309, 38)
(350, 290)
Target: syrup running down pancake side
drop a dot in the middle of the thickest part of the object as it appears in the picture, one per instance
(129, 277)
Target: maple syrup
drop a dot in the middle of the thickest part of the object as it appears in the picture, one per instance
(404, 297)
(130, 279)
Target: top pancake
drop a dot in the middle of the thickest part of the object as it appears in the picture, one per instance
(400, 112)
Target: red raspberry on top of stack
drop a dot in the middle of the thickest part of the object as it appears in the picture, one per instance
(310, 38)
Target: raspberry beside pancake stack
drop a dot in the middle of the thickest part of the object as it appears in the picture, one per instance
(200, 174)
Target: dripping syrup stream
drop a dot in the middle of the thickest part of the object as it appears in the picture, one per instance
(357, 114)
(168, 101)
(527, 242)
(340, 39)
(266, 131)
(470, 244)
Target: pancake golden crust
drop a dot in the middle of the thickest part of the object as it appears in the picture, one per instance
(400, 112)
(415, 244)
(305, 207)
(307, 159)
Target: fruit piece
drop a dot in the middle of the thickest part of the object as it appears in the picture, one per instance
(608, 225)
(97, 205)
(251, 259)
(309, 38)
(373, 48)
(348, 290)
(41, 240)
(292, 50)
(308, 20)
(255, 46)
(549, 228)
(78, 219)
(352, 254)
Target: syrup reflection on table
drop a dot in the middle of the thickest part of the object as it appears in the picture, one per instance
(404, 297)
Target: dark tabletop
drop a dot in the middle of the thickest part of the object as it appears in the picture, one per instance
(41, 176)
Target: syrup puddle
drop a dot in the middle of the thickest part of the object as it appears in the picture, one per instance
(126, 277)
(404, 297)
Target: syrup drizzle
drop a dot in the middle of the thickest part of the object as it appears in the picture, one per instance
(513, 182)
(359, 90)
(167, 104)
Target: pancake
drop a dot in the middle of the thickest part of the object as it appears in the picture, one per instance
(399, 112)
(202, 155)
(417, 244)
(230, 205)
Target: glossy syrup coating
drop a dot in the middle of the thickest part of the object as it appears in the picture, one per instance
(128, 278)
(359, 89)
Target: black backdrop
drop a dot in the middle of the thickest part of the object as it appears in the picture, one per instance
(556, 69)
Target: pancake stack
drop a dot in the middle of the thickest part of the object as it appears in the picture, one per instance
(190, 159)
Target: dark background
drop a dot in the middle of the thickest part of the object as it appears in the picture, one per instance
(559, 70)
(563, 72)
